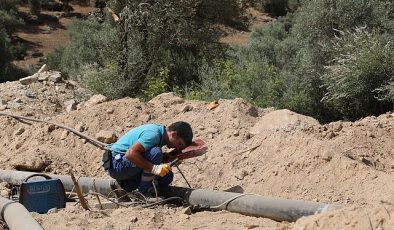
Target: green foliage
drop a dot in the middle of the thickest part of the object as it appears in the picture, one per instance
(102, 80)
(9, 23)
(157, 85)
(254, 80)
(95, 45)
(363, 64)
(35, 6)
(150, 35)
(232, 12)
(287, 63)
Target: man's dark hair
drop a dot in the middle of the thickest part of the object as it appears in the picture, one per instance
(183, 130)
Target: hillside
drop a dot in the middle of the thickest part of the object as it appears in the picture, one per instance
(265, 151)
(42, 35)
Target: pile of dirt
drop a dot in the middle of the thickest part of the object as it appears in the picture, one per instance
(265, 151)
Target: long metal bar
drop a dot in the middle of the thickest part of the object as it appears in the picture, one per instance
(16, 216)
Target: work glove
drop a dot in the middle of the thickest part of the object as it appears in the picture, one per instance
(161, 170)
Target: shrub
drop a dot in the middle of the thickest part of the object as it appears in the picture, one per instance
(228, 12)
(95, 45)
(363, 65)
(9, 23)
(158, 85)
(254, 80)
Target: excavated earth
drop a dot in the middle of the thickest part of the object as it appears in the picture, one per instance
(268, 152)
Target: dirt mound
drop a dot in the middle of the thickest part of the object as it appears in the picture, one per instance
(265, 151)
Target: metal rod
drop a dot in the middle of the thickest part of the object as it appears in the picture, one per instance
(16, 216)
(180, 171)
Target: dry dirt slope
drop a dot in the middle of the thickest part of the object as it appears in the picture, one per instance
(268, 152)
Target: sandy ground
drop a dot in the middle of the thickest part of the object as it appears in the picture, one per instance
(265, 151)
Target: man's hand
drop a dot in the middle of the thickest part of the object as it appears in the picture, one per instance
(161, 170)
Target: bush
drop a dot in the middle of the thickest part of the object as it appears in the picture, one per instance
(145, 41)
(228, 12)
(283, 64)
(101, 80)
(94, 46)
(363, 65)
(254, 80)
(158, 85)
(9, 23)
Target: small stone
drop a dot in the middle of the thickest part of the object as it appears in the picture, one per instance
(80, 127)
(187, 211)
(210, 135)
(18, 100)
(370, 134)
(133, 219)
(330, 135)
(212, 130)
(53, 210)
(236, 133)
(71, 107)
(96, 99)
(186, 108)
(19, 131)
(3, 107)
(29, 80)
(201, 127)
(327, 156)
(106, 136)
(72, 101)
(64, 135)
(43, 76)
(337, 127)
(51, 127)
(110, 110)
(55, 77)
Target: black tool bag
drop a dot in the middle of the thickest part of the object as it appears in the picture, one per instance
(107, 159)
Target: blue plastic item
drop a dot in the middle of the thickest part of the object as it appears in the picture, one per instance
(42, 195)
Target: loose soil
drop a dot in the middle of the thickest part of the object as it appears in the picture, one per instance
(265, 151)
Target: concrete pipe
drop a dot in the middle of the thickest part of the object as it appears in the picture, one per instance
(250, 204)
(103, 186)
(16, 216)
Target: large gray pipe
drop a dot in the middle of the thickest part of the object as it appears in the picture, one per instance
(104, 186)
(16, 216)
(249, 204)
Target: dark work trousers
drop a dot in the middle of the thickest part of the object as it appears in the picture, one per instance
(131, 177)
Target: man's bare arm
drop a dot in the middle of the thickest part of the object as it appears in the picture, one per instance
(134, 155)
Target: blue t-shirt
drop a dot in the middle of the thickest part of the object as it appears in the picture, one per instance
(149, 136)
